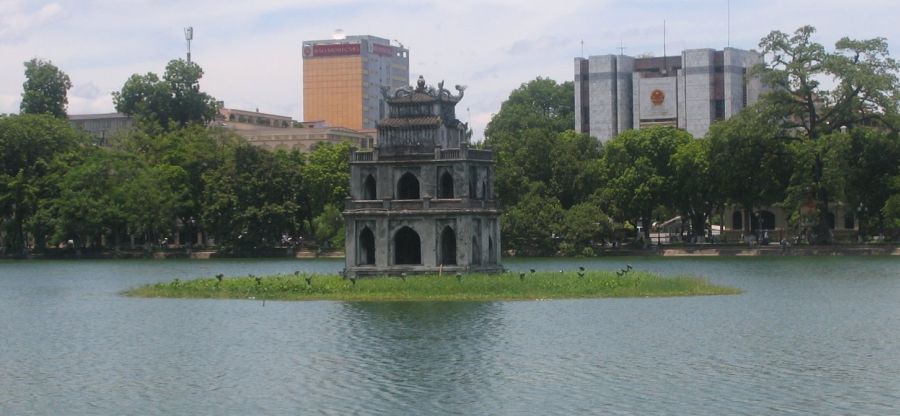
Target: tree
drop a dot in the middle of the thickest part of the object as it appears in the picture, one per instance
(328, 227)
(326, 176)
(252, 200)
(750, 159)
(196, 149)
(696, 191)
(533, 141)
(866, 92)
(44, 90)
(891, 209)
(583, 226)
(28, 146)
(637, 169)
(173, 101)
(872, 161)
(532, 226)
(540, 103)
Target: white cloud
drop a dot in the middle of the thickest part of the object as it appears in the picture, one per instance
(16, 18)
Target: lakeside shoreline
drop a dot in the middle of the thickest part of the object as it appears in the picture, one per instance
(665, 251)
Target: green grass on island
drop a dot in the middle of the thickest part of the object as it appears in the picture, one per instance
(467, 287)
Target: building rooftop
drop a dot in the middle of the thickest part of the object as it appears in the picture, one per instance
(77, 117)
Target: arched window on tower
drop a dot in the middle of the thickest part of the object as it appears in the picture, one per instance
(407, 247)
(366, 247)
(492, 254)
(408, 187)
(446, 190)
(369, 188)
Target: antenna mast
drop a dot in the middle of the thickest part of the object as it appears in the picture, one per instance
(665, 58)
(189, 36)
(729, 23)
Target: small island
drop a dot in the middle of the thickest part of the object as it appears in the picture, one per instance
(446, 287)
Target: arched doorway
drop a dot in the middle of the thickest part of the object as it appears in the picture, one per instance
(849, 222)
(446, 190)
(476, 251)
(830, 216)
(448, 246)
(407, 247)
(737, 220)
(366, 247)
(766, 220)
(408, 187)
(369, 188)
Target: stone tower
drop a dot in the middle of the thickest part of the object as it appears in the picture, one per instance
(422, 200)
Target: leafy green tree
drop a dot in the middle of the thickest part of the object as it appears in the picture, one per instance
(326, 176)
(44, 90)
(196, 149)
(696, 190)
(637, 167)
(153, 200)
(329, 227)
(872, 161)
(175, 100)
(750, 158)
(533, 141)
(584, 225)
(251, 201)
(832, 151)
(28, 146)
(532, 226)
(865, 92)
(541, 103)
(109, 193)
(891, 209)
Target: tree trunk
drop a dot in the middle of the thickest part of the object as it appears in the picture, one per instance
(823, 230)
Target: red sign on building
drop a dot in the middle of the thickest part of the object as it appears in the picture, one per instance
(383, 50)
(339, 49)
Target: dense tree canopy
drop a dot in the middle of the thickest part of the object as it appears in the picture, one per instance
(638, 170)
(254, 198)
(817, 93)
(542, 164)
(28, 146)
(175, 100)
(750, 159)
(44, 90)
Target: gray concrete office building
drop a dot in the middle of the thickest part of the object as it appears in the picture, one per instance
(615, 93)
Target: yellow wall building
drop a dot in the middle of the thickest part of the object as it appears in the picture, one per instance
(342, 79)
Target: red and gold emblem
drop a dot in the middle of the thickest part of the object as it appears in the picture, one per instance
(657, 97)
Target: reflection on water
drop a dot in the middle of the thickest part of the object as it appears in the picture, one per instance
(439, 355)
(809, 336)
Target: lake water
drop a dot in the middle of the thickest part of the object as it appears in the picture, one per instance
(809, 336)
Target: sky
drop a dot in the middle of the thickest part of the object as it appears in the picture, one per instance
(251, 51)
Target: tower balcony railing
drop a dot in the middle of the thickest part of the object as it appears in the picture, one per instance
(419, 204)
(439, 154)
(363, 156)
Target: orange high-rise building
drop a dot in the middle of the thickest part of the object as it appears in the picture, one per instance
(342, 79)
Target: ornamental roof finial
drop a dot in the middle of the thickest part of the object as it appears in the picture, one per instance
(420, 84)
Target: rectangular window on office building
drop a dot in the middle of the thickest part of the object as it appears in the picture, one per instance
(720, 110)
